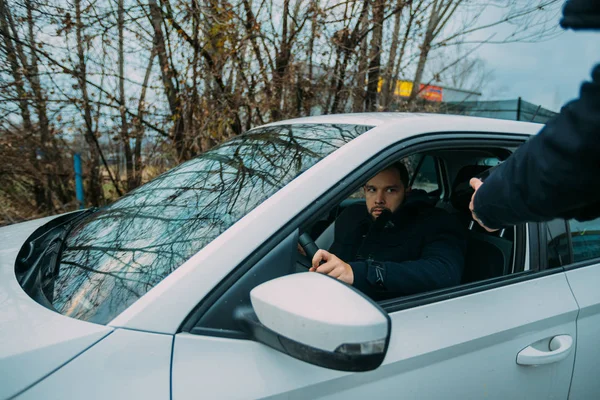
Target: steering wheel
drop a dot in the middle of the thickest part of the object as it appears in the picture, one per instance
(308, 244)
(310, 248)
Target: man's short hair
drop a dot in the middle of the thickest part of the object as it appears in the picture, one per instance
(401, 168)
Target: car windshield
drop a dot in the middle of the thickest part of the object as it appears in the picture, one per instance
(122, 251)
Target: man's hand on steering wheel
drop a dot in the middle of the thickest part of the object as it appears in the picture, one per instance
(333, 266)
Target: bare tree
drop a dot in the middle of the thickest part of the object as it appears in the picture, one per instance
(137, 86)
(440, 13)
(375, 54)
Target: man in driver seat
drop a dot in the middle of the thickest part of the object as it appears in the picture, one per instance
(400, 244)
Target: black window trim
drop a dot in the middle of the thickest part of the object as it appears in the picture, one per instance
(570, 242)
(343, 189)
(438, 174)
(582, 264)
(543, 244)
(537, 246)
(419, 164)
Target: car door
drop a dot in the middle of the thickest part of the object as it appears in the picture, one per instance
(508, 337)
(583, 275)
(467, 346)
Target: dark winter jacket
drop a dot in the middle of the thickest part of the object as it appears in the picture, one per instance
(556, 174)
(581, 14)
(416, 249)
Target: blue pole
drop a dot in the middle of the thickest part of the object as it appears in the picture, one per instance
(78, 180)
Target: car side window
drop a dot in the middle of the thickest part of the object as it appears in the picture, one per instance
(585, 238)
(426, 176)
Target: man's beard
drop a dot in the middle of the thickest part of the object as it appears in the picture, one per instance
(382, 209)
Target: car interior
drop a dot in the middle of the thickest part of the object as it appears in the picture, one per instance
(445, 175)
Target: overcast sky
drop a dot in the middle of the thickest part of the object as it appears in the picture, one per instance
(547, 73)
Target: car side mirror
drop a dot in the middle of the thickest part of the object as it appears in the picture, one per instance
(319, 320)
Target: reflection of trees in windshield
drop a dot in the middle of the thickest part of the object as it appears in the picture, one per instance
(121, 252)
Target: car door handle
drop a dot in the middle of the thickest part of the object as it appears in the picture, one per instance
(560, 348)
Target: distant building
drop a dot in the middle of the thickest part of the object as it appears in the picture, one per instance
(464, 102)
(434, 93)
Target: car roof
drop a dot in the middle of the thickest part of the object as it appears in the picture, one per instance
(378, 119)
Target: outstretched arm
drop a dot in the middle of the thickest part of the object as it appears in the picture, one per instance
(555, 174)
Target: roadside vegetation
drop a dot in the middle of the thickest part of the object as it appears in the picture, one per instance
(138, 86)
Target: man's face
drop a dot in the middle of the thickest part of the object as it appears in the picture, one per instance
(384, 191)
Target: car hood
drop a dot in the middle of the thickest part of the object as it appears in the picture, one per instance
(34, 341)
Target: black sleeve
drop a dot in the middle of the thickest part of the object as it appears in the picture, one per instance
(556, 174)
(347, 231)
(440, 266)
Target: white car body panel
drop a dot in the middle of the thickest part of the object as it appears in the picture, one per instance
(449, 349)
(125, 365)
(585, 283)
(175, 296)
(34, 341)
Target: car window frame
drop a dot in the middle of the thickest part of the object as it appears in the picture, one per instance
(544, 241)
(438, 177)
(345, 188)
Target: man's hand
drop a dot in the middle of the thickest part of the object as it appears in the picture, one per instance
(333, 266)
(475, 184)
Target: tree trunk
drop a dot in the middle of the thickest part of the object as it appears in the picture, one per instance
(94, 178)
(15, 68)
(310, 92)
(251, 27)
(129, 169)
(139, 127)
(359, 94)
(10, 44)
(441, 12)
(348, 43)
(425, 48)
(47, 164)
(56, 177)
(405, 39)
(282, 61)
(375, 55)
(389, 83)
(168, 75)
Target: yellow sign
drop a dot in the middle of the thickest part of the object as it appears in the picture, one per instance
(403, 88)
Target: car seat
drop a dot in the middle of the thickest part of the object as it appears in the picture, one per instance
(488, 255)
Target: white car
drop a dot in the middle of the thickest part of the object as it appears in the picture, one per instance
(192, 286)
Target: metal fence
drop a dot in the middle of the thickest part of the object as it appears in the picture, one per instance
(515, 110)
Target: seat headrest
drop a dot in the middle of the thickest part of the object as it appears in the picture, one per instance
(461, 190)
